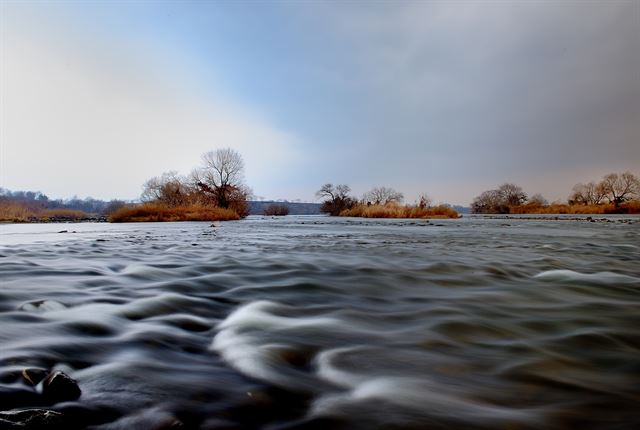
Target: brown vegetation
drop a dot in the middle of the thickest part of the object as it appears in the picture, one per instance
(156, 212)
(615, 193)
(214, 191)
(276, 209)
(394, 210)
(631, 207)
(337, 198)
(12, 211)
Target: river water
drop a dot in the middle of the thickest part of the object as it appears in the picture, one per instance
(312, 322)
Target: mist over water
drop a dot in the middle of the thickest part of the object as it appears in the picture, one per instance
(315, 322)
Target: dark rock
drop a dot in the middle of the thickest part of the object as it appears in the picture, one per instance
(31, 419)
(63, 231)
(60, 387)
(34, 375)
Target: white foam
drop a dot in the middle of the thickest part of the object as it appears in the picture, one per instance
(599, 277)
(140, 270)
(256, 315)
(420, 394)
(241, 341)
(43, 306)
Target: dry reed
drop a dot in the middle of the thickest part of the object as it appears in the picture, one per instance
(392, 210)
(155, 212)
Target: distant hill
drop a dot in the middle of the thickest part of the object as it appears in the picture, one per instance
(258, 207)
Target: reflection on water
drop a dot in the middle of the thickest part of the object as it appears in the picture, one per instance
(314, 322)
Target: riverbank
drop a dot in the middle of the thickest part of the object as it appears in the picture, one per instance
(631, 207)
(18, 213)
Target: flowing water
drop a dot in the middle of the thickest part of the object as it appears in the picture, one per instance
(323, 323)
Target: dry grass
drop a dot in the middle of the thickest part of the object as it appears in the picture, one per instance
(156, 212)
(11, 211)
(392, 210)
(15, 212)
(70, 214)
(632, 207)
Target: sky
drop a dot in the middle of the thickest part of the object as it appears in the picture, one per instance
(448, 98)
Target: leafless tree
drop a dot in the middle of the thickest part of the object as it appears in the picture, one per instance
(538, 199)
(168, 188)
(336, 198)
(489, 202)
(587, 194)
(512, 194)
(500, 200)
(619, 188)
(277, 209)
(221, 178)
(340, 191)
(382, 196)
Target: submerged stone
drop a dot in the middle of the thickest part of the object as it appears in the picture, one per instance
(30, 419)
(60, 387)
(34, 375)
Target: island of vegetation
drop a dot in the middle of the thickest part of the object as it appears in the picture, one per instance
(614, 194)
(214, 191)
(380, 202)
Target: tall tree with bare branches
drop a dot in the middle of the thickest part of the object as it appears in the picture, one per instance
(221, 178)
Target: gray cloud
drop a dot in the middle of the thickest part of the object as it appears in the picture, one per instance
(450, 98)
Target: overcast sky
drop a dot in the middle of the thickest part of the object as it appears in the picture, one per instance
(448, 98)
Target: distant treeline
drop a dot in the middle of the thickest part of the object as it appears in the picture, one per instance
(216, 191)
(34, 206)
(615, 193)
(25, 206)
(37, 199)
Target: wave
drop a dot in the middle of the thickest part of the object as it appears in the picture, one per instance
(599, 277)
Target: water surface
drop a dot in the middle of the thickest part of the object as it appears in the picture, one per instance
(315, 322)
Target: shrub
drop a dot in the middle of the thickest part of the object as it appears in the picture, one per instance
(277, 209)
(631, 207)
(154, 212)
(393, 210)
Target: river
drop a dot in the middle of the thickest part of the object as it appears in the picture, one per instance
(311, 322)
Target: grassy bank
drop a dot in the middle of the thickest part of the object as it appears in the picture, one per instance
(20, 212)
(398, 211)
(155, 212)
(632, 207)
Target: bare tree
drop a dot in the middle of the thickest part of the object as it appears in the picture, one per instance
(340, 191)
(500, 200)
(277, 209)
(489, 202)
(168, 188)
(336, 198)
(382, 196)
(512, 194)
(538, 200)
(587, 194)
(221, 178)
(620, 188)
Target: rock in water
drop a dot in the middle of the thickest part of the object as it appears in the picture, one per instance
(34, 375)
(30, 419)
(60, 387)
